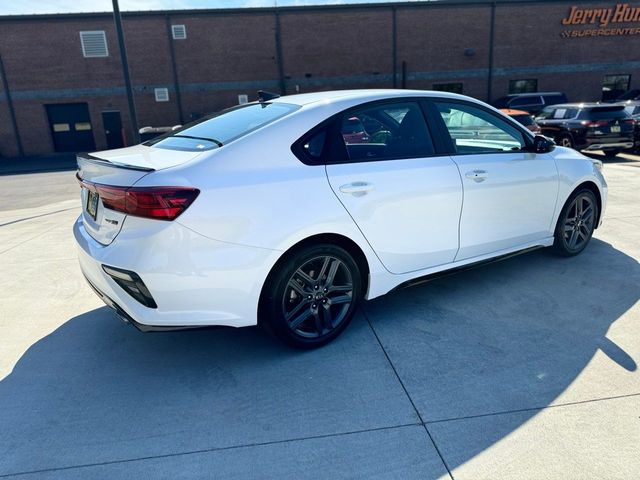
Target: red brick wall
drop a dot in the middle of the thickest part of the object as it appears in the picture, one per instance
(231, 53)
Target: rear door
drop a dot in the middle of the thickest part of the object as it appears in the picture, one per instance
(509, 193)
(405, 199)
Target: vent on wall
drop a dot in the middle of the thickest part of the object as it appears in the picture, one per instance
(162, 94)
(179, 32)
(94, 44)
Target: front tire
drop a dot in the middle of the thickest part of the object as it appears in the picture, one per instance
(566, 141)
(576, 223)
(312, 296)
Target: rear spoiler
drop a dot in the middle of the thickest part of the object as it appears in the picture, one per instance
(101, 161)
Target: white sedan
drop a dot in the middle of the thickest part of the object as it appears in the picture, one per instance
(288, 211)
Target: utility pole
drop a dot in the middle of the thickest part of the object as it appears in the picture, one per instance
(125, 71)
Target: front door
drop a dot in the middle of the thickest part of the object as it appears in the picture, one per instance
(510, 193)
(405, 199)
(113, 129)
(71, 129)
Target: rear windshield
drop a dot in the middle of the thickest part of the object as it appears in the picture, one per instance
(525, 120)
(221, 128)
(604, 113)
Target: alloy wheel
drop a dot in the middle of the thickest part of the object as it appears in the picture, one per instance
(579, 222)
(318, 296)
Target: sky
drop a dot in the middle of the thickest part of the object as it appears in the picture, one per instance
(21, 7)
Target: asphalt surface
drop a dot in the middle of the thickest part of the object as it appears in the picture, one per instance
(526, 368)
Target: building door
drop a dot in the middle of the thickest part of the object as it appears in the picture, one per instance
(113, 129)
(71, 127)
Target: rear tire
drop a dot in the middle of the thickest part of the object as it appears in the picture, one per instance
(576, 223)
(612, 153)
(312, 296)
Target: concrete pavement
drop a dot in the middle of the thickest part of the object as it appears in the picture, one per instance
(522, 369)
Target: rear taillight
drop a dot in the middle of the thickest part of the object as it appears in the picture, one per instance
(161, 203)
(598, 123)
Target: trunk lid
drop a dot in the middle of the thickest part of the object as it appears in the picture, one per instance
(123, 167)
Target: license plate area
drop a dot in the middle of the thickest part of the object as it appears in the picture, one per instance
(615, 128)
(92, 204)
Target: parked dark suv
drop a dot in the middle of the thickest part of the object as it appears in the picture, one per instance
(530, 102)
(633, 108)
(589, 126)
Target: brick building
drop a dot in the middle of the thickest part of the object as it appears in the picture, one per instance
(62, 73)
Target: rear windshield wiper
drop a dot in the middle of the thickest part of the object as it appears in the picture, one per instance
(217, 142)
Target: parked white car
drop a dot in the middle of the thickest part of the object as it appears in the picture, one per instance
(264, 213)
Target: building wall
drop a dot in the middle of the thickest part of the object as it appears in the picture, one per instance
(227, 53)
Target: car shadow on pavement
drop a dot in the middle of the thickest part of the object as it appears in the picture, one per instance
(506, 337)
(619, 159)
(511, 337)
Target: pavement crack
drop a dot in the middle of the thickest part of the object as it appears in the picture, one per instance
(208, 450)
(415, 408)
(533, 409)
(36, 216)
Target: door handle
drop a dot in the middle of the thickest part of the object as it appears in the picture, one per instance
(477, 175)
(357, 189)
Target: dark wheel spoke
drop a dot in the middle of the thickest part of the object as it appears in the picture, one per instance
(303, 303)
(340, 299)
(573, 239)
(296, 322)
(318, 322)
(327, 318)
(340, 288)
(306, 279)
(325, 265)
(297, 287)
(332, 272)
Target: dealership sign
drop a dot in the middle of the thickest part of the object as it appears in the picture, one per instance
(602, 22)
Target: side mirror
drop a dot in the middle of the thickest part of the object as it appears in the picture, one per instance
(542, 144)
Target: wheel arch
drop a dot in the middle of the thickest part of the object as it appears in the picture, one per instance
(332, 238)
(590, 185)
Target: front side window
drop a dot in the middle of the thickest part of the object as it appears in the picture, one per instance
(219, 129)
(474, 130)
(386, 131)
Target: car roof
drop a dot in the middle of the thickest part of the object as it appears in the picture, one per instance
(585, 105)
(532, 94)
(511, 111)
(362, 95)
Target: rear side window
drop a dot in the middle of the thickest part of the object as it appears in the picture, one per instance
(385, 131)
(475, 130)
(605, 113)
(522, 101)
(525, 120)
(217, 130)
(553, 99)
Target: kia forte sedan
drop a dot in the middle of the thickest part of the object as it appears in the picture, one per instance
(269, 213)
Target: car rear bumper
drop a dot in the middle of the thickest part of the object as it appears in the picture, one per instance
(609, 145)
(195, 281)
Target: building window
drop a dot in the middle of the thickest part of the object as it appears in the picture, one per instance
(162, 94)
(448, 87)
(179, 32)
(529, 85)
(94, 44)
(614, 85)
